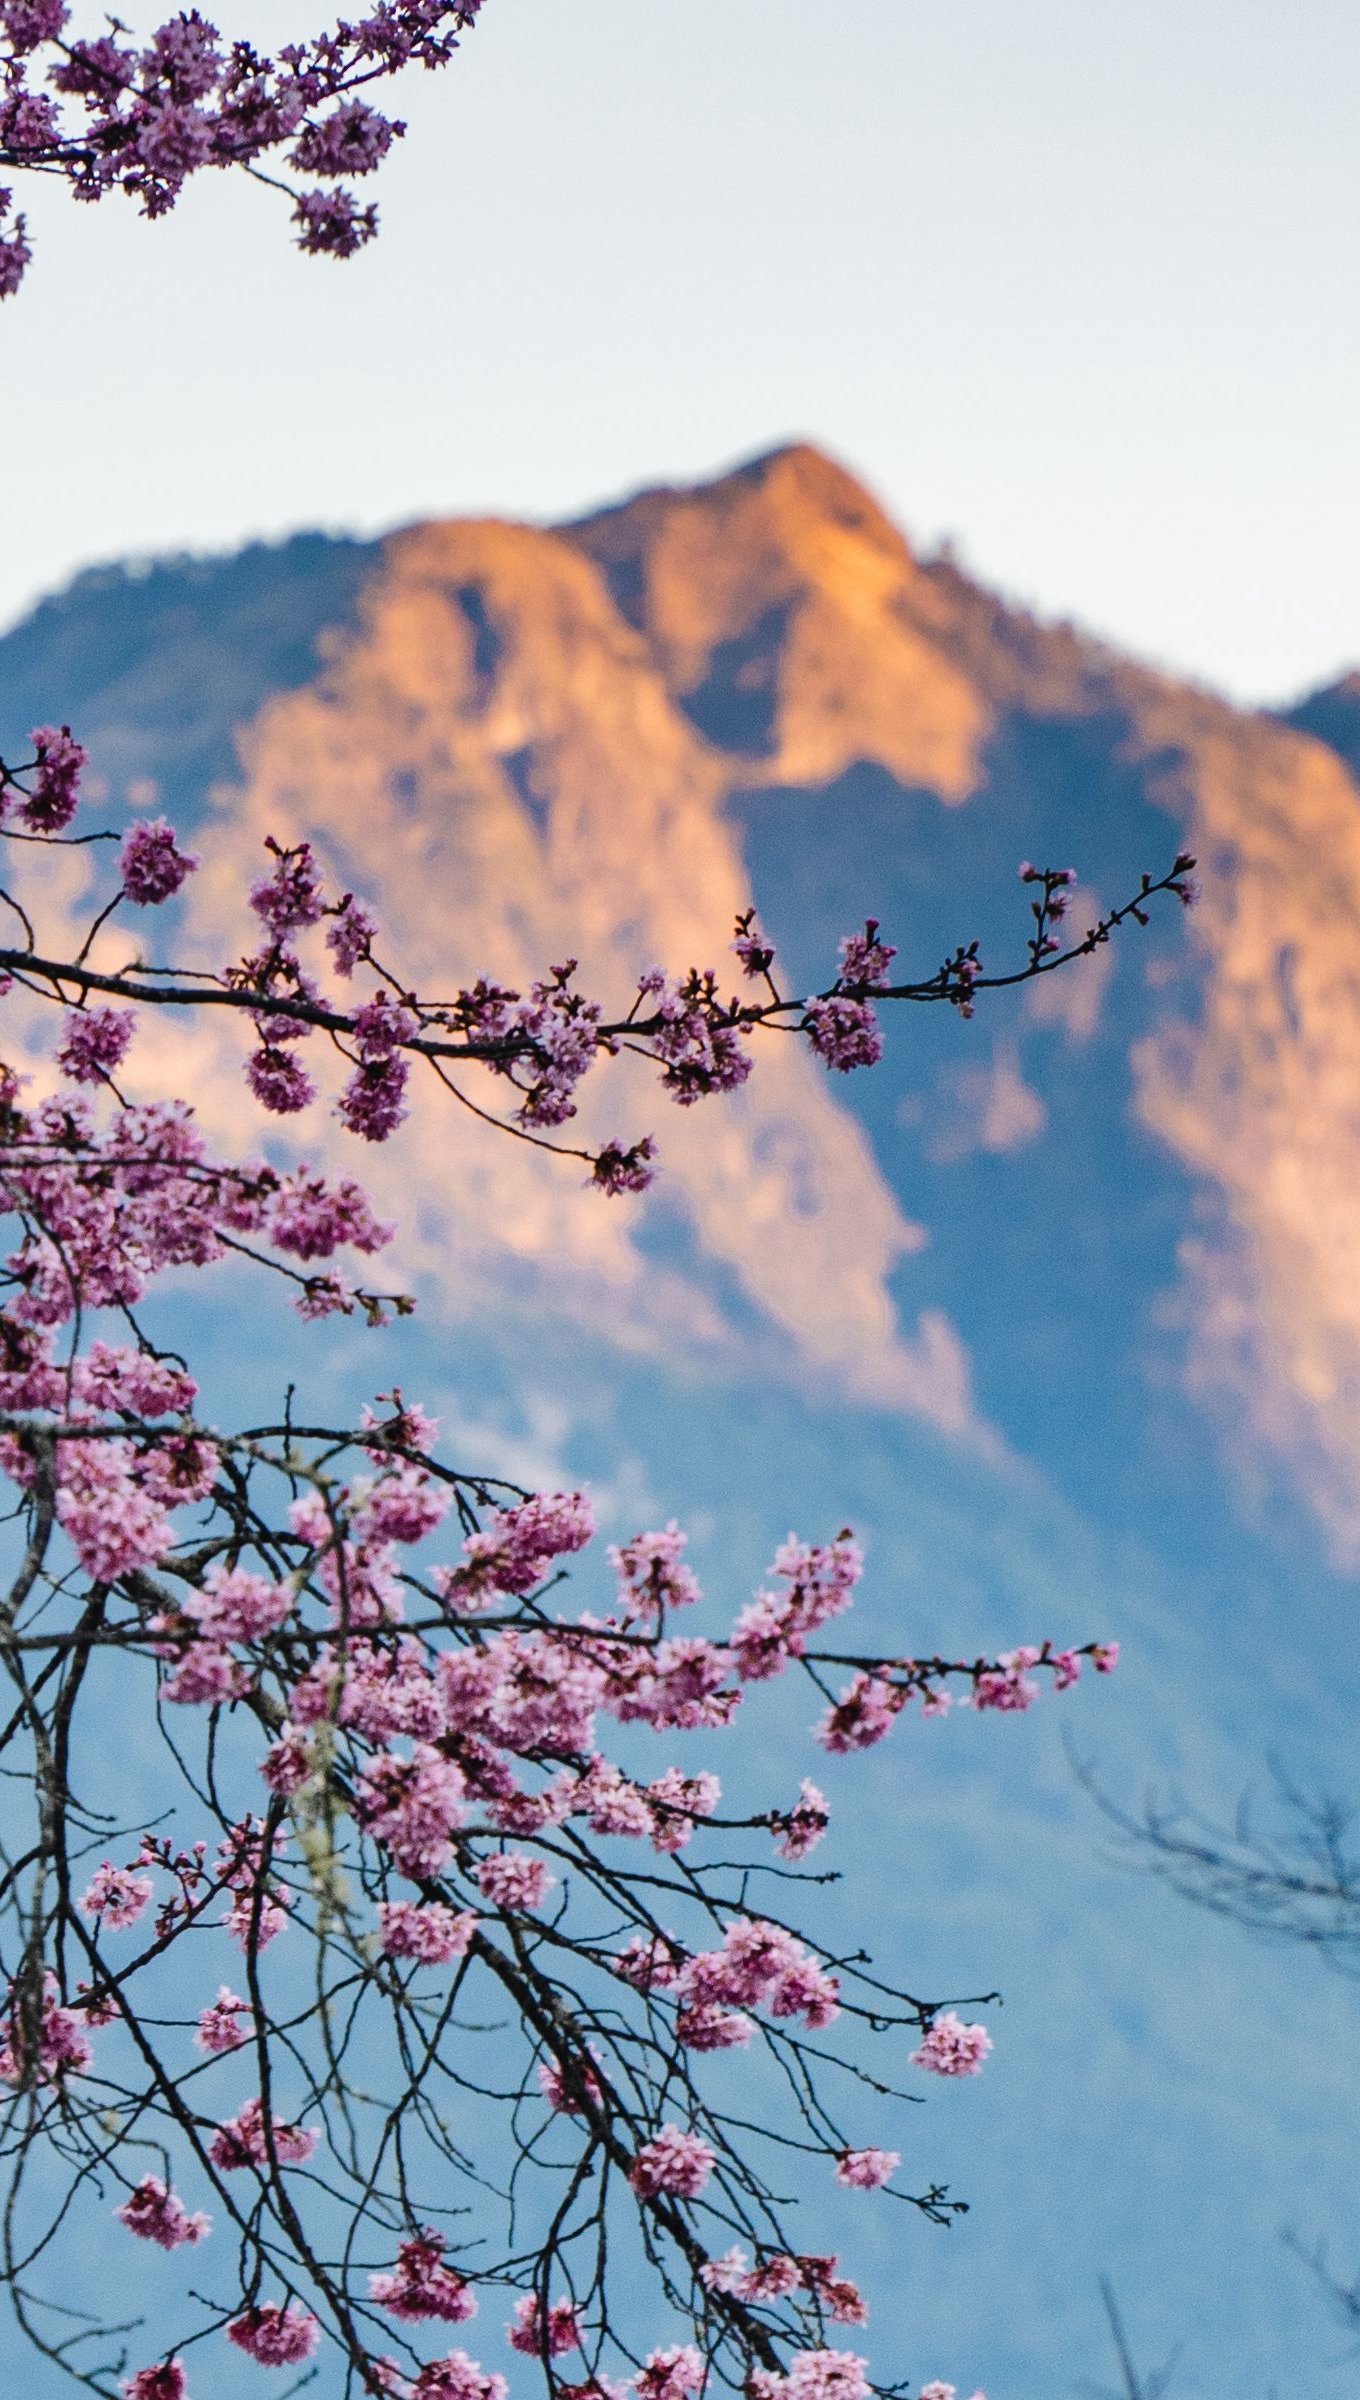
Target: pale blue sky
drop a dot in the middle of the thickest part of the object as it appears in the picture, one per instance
(1075, 283)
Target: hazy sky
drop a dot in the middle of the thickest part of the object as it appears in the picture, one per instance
(1074, 283)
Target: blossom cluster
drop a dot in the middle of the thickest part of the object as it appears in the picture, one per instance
(452, 1740)
(107, 114)
(378, 1639)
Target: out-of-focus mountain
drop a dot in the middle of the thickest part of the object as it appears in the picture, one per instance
(1331, 715)
(1063, 1305)
(606, 737)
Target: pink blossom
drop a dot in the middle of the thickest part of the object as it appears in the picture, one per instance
(241, 2141)
(699, 1052)
(405, 1506)
(279, 1081)
(679, 1802)
(950, 2047)
(151, 864)
(762, 1642)
(113, 1523)
(651, 1574)
(94, 1042)
(1105, 1657)
(650, 1962)
(385, 1693)
(60, 762)
(774, 2279)
(167, 2382)
(219, 2026)
(863, 1714)
(426, 1931)
(332, 225)
(14, 250)
(421, 2286)
(844, 1033)
(529, 2332)
(761, 1965)
(725, 2274)
(156, 2214)
(866, 2170)
(275, 2336)
(680, 1686)
(841, 2298)
(554, 2088)
(260, 1909)
(944, 2391)
(408, 1423)
(827, 2375)
(512, 1554)
(310, 1218)
(254, 1921)
(1008, 1686)
(373, 1102)
(234, 1604)
(814, 2375)
(116, 1896)
(617, 1170)
(611, 1804)
(363, 1584)
(348, 142)
(674, 2161)
(63, 2044)
(529, 1690)
(805, 1990)
(514, 1880)
(386, 2378)
(206, 1677)
(864, 959)
(112, 1376)
(671, 2374)
(457, 2377)
(820, 1578)
(752, 948)
(290, 897)
(412, 1806)
(801, 1828)
(287, 1763)
(382, 1025)
(706, 2026)
(349, 934)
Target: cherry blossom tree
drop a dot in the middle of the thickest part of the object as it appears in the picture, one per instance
(432, 1981)
(472, 1950)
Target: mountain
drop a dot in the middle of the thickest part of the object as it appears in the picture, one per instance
(1061, 1306)
(1331, 715)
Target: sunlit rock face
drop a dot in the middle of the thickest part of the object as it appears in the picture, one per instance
(494, 759)
(608, 738)
(793, 626)
(1259, 1093)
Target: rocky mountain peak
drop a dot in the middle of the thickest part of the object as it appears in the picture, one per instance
(793, 623)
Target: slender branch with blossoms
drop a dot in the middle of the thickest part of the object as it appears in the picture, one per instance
(417, 1988)
(110, 114)
(541, 1044)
